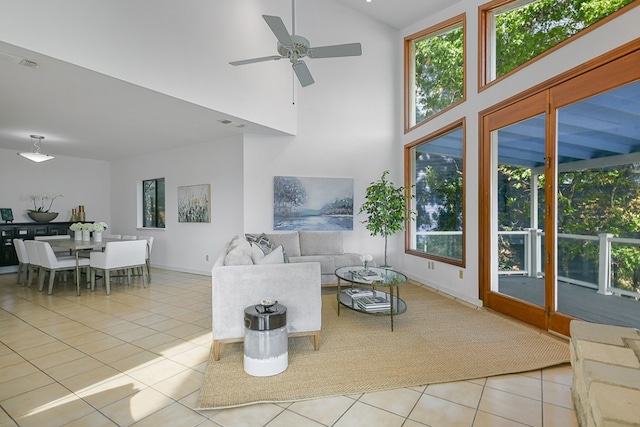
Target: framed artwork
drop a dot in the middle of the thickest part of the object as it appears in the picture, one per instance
(301, 203)
(7, 214)
(194, 203)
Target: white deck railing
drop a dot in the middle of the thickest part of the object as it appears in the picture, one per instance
(532, 249)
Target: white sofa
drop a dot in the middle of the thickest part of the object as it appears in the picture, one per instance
(325, 247)
(239, 283)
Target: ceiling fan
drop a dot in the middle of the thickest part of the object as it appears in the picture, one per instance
(294, 47)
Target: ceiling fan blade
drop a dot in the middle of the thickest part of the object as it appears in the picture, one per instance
(251, 61)
(349, 49)
(303, 73)
(279, 30)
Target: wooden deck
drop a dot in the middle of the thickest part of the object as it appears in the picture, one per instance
(577, 301)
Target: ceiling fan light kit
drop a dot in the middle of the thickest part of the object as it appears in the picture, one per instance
(294, 47)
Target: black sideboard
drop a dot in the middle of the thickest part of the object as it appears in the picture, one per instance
(24, 231)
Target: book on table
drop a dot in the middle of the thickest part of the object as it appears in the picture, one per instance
(374, 303)
(371, 277)
(358, 292)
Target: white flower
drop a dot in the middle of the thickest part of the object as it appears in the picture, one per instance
(99, 226)
(366, 258)
(76, 226)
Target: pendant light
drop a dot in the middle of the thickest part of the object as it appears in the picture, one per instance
(35, 155)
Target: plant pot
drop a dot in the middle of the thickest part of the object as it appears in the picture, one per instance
(43, 216)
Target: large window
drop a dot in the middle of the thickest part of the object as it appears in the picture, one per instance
(435, 165)
(435, 71)
(516, 31)
(153, 203)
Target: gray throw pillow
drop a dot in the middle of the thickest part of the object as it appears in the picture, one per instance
(261, 241)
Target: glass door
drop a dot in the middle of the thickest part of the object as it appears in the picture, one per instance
(598, 215)
(517, 165)
(560, 201)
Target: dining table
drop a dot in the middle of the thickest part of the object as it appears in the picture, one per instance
(76, 247)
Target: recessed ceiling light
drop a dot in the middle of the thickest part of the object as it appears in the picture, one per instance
(225, 121)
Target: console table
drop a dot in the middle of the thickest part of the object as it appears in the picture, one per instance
(25, 231)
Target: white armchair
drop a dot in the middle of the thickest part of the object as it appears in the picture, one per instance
(119, 255)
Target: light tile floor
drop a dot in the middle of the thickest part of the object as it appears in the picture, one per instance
(137, 357)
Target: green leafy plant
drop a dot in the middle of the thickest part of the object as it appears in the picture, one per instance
(386, 209)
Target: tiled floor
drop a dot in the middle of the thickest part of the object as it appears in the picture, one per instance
(137, 357)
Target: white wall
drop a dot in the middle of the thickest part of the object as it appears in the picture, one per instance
(80, 181)
(184, 246)
(347, 126)
(592, 45)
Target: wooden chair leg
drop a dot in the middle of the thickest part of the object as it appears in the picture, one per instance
(107, 282)
(316, 341)
(41, 273)
(52, 277)
(216, 350)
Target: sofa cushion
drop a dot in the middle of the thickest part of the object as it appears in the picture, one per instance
(321, 243)
(290, 242)
(327, 263)
(276, 256)
(238, 252)
(256, 253)
(238, 257)
(262, 241)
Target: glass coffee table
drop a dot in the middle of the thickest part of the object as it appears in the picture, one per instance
(362, 295)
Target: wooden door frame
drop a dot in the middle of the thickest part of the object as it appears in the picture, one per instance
(608, 71)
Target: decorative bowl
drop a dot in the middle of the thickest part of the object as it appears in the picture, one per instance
(43, 216)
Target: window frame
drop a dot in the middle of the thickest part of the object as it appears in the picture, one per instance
(409, 169)
(409, 69)
(142, 204)
(486, 39)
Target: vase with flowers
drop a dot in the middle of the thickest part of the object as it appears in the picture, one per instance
(366, 259)
(97, 228)
(77, 228)
(39, 213)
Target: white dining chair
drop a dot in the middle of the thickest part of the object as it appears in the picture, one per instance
(149, 240)
(119, 255)
(23, 261)
(34, 260)
(112, 236)
(55, 237)
(49, 262)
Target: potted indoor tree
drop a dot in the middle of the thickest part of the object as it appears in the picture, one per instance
(386, 209)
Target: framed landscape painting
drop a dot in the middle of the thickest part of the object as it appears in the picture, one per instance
(194, 203)
(301, 203)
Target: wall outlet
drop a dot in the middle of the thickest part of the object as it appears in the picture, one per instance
(206, 257)
(461, 273)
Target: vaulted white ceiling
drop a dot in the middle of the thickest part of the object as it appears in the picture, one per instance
(86, 114)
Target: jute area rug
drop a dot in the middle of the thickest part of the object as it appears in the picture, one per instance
(436, 340)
